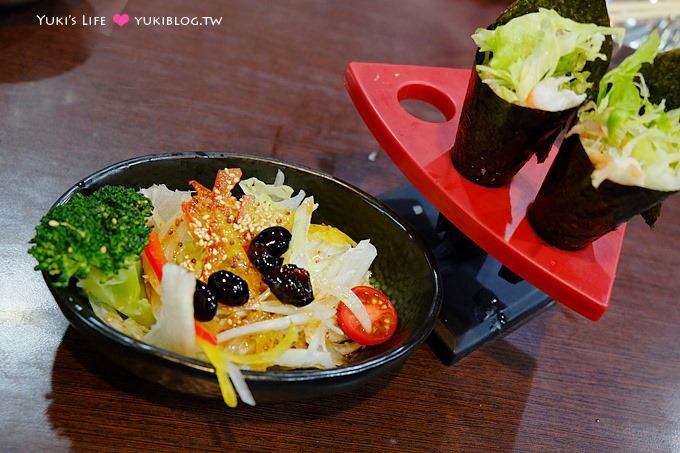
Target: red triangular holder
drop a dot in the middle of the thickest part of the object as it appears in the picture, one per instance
(493, 218)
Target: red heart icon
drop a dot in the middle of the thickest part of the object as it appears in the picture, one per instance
(121, 19)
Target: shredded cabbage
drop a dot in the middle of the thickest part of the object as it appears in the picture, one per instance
(541, 50)
(344, 272)
(166, 205)
(297, 249)
(275, 195)
(174, 329)
(112, 317)
(630, 140)
(124, 292)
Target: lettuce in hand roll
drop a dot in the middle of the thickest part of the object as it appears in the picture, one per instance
(533, 68)
(621, 157)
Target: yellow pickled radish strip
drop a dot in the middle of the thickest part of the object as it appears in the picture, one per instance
(330, 235)
(261, 358)
(216, 357)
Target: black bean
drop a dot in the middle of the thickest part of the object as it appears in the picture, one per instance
(275, 239)
(205, 305)
(263, 260)
(291, 285)
(228, 288)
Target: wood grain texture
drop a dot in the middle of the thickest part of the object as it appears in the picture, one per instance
(268, 80)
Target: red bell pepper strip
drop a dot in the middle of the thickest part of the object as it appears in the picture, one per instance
(154, 253)
(204, 334)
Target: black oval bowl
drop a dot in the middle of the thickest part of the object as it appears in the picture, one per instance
(404, 267)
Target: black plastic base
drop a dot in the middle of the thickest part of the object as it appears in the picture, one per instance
(482, 297)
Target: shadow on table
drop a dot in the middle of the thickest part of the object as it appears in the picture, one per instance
(32, 50)
(94, 402)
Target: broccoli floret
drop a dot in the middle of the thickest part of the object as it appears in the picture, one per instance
(106, 231)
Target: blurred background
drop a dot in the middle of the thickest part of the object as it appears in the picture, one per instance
(640, 17)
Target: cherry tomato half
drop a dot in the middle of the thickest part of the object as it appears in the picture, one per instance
(381, 311)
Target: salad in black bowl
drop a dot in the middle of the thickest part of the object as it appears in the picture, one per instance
(235, 275)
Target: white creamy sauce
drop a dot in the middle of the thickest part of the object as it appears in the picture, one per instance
(621, 170)
(628, 171)
(548, 96)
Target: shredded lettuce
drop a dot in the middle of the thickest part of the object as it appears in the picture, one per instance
(112, 317)
(345, 271)
(297, 249)
(174, 330)
(630, 140)
(166, 205)
(124, 292)
(351, 268)
(541, 50)
(276, 195)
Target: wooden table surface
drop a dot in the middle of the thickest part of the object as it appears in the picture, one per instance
(269, 80)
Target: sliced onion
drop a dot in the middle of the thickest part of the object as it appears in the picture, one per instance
(262, 326)
(240, 384)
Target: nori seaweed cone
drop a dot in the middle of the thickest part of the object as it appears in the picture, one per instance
(663, 78)
(496, 138)
(663, 82)
(568, 212)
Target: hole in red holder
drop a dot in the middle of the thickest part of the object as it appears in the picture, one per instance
(426, 103)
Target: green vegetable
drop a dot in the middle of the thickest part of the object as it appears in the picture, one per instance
(629, 139)
(123, 292)
(540, 48)
(98, 240)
